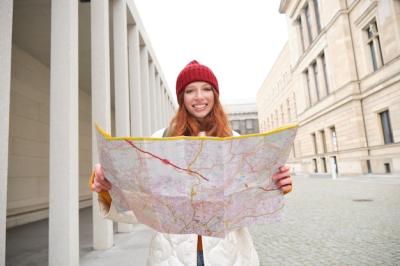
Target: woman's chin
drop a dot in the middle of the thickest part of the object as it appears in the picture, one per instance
(200, 115)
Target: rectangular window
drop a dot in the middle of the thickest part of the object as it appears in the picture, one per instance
(386, 127)
(235, 125)
(314, 142)
(242, 125)
(294, 105)
(317, 87)
(369, 166)
(334, 138)
(335, 164)
(325, 73)
(300, 27)
(307, 76)
(322, 132)
(282, 115)
(317, 16)
(387, 168)
(315, 165)
(308, 22)
(324, 164)
(249, 124)
(374, 45)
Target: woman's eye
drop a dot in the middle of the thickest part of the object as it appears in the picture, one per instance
(188, 91)
(208, 89)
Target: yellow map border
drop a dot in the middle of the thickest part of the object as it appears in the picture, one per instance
(277, 130)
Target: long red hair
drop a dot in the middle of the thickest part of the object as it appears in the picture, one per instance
(215, 124)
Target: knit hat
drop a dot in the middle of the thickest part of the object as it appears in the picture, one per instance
(195, 72)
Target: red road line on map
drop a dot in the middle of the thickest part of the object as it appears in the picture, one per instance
(165, 161)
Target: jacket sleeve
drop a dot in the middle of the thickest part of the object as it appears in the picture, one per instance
(108, 210)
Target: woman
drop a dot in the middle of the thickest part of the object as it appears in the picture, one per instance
(200, 113)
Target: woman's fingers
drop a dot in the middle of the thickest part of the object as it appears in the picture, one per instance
(284, 168)
(281, 174)
(283, 179)
(286, 189)
(100, 182)
(99, 185)
(105, 184)
(99, 171)
(96, 187)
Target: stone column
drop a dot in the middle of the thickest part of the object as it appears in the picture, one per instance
(152, 94)
(134, 81)
(169, 112)
(164, 107)
(144, 82)
(101, 108)
(378, 52)
(121, 82)
(64, 148)
(158, 102)
(6, 15)
(172, 109)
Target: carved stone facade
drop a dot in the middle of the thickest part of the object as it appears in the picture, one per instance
(338, 77)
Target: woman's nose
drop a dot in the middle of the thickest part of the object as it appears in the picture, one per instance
(199, 94)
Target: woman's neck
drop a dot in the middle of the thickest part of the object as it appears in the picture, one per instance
(202, 126)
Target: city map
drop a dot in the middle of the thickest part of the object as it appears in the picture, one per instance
(197, 185)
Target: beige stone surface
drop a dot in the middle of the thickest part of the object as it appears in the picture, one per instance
(28, 168)
(356, 93)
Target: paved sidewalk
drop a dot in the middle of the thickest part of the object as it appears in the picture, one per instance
(27, 245)
(129, 249)
(347, 221)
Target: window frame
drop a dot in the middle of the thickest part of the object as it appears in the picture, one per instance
(372, 42)
(389, 133)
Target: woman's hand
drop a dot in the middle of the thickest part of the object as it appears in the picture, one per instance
(100, 182)
(283, 179)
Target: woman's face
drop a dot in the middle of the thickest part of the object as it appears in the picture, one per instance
(198, 99)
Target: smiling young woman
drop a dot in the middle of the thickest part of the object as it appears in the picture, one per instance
(199, 107)
(200, 113)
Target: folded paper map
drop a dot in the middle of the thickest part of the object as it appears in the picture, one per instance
(197, 185)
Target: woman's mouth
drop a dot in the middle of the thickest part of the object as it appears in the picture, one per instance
(199, 107)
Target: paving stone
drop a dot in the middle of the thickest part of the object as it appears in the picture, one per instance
(349, 221)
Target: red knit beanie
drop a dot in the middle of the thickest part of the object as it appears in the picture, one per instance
(195, 72)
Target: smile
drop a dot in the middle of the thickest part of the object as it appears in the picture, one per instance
(199, 107)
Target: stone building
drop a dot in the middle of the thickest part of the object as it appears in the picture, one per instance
(243, 117)
(64, 66)
(338, 77)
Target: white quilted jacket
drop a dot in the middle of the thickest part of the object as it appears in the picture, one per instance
(170, 249)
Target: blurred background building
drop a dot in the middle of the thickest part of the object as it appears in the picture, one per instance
(338, 77)
(243, 117)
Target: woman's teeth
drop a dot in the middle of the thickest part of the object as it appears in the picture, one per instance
(199, 106)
